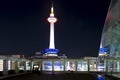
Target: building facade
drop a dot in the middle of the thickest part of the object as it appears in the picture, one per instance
(110, 40)
(86, 64)
(111, 32)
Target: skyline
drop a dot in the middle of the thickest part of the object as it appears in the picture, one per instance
(24, 27)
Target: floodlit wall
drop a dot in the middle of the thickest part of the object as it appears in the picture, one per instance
(64, 65)
(58, 66)
(1, 64)
(111, 31)
(82, 66)
(47, 65)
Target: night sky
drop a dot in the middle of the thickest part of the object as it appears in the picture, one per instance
(24, 28)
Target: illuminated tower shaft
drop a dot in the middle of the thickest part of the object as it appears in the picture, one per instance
(52, 20)
(51, 44)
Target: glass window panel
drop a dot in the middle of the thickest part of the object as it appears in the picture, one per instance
(58, 66)
(70, 66)
(47, 66)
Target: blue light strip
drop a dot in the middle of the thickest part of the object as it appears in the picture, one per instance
(53, 51)
(103, 50)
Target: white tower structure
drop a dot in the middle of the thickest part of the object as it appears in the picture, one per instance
(52, 20)
(52, 51)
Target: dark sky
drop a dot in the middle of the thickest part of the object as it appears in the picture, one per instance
(24, 28)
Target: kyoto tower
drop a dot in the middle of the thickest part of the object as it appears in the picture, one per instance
(51, 51)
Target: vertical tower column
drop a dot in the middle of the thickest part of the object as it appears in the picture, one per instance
(51, 45)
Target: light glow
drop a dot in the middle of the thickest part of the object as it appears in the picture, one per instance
(52, 19)
(47, 66)
(9, 65)
(58, 66)
(1, 64)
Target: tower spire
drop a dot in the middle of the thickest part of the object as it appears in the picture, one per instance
(52, 11)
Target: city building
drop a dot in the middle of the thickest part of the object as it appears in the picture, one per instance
(110, 40)
(109, 53)
(51, 61)
(108, 59)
